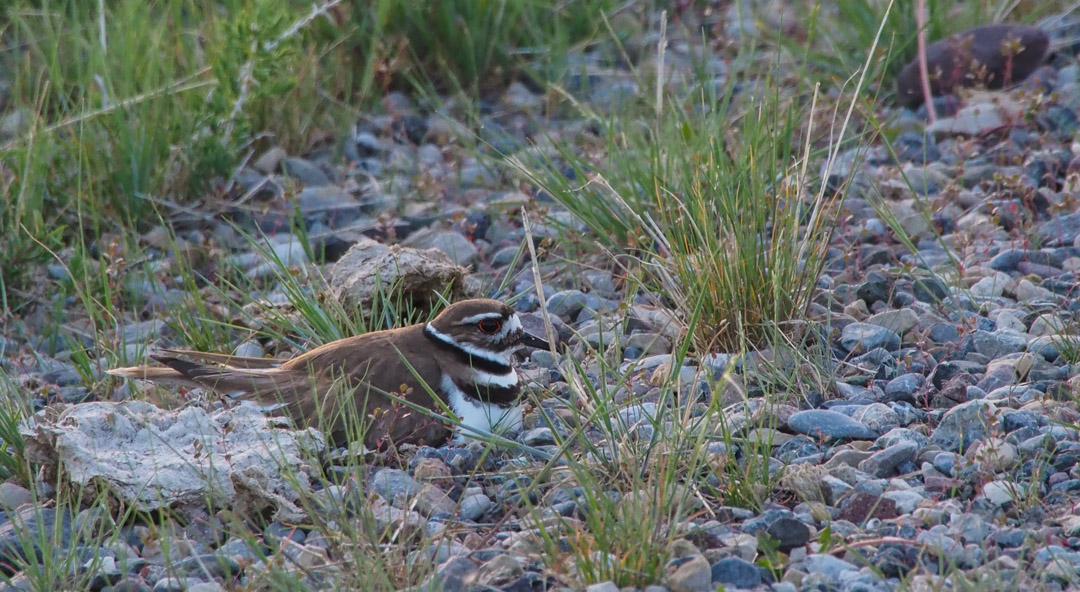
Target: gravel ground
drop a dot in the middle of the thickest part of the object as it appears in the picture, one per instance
(949, 440)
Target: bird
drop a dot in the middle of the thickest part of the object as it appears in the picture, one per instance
(462, 357)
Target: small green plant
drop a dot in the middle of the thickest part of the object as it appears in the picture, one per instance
(710, 200)
(13, 409)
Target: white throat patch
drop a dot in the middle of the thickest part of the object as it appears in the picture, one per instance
(486, 417)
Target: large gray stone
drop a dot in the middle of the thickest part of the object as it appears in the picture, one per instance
(152, 459)
(964, 424)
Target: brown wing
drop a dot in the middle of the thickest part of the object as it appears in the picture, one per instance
(370, 373)
(339, 387)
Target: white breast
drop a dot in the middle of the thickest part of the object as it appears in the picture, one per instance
(486, 417)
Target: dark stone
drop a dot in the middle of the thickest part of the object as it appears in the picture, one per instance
(415, 128)
(135, 584)
(992, 55)
(23, 529)
(1059, 120)
(736, 572)
(895, 561)
(531, 582)
(1060, 230)
(207, 566)
(916, 147)
(1009, 538)
(942, 333)
(797, 447)
(930, 290)
(788, 533)
(875, 289)
(1015, 420)
(945, 372)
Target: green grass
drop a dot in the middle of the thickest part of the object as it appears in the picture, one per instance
(708, 199)
(113, 141)
(13, 409)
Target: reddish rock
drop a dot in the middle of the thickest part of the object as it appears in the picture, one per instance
(863, 506)
(935, 484)
(994, 56)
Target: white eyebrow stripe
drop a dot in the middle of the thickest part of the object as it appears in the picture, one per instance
(476, 318)
(513, 325)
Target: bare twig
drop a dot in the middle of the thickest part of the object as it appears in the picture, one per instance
(924, 75)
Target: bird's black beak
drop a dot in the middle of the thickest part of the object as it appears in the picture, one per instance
(530, 340)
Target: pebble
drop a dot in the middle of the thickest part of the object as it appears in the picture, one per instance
(736, 573)
(863, 337)
(456, 245)
(13, 495)
(567, 303)
(829, 424)
(306, 172)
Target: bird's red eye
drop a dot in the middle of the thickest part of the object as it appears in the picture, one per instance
(489, 326)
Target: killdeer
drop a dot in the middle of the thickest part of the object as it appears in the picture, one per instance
(462, 356)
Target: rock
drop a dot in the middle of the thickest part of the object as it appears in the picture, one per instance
(874, 289)
(455, 245)
(431, 469)
(860, 507)
(650, 344)
(1047, 324)
(269, 161)
(993, 55)
(144, 331)
(689, 574)
(22, 531)
(249, 349)
(994, 455)
(390, 483)
(538, 437)
(213, 565)
(930, 290)
(863, 337)
(736, 572)
(991, 286)
(12, 496)
(14, 123)
(501, 569)
(964, 424)
(829, 424)
(899, 321)
(305, 171)
(827, 565)
(916, 147)
(152, 459)
(457, 574)
(567, 303)
(608, 586)
(1060, 230)
(877, 416)
(969, 121)
(369, 267)
(282, 250)
(884, 463)
(476, 175)
(997, 344)
(432, 501)
(474, 507)
(788, 533)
